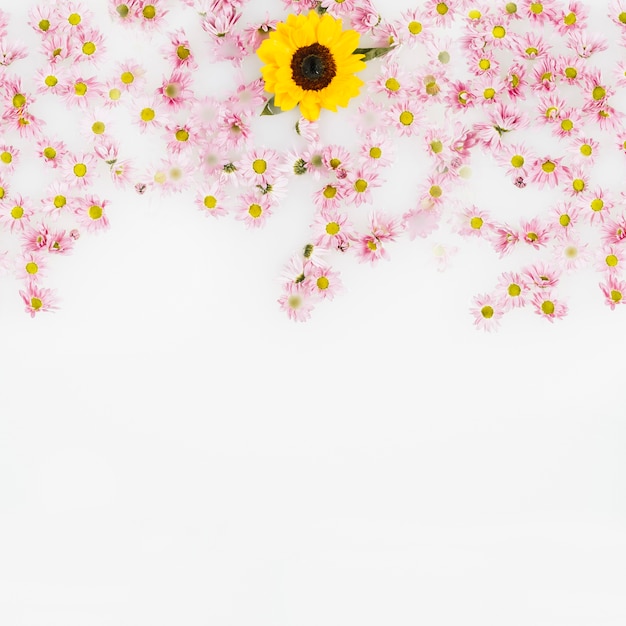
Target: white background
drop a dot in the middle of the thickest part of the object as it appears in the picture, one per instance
(173, 450)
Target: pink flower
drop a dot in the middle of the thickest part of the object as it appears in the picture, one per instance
(253, 209)
(548, 307)
(405, 117)
(212, 200)
(297, 301)
(37, 299)
(586, 44)
(474, 222)
(332, 230)
(178, 51)
(513, 289)
(546, 171)
(91, 213)
(487, 311)
(324, 282)
(357, 187)
(541, 276)
(614, 291)
(570, 18)
(503, 238)
(89, 45)
(534, 233)
(421, 221)
(79, 169)
(176, 90)
(31, 267)
(16, 213)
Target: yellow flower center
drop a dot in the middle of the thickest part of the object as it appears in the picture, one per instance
(548, 167)
(80, 169)
(375, 152)
(546, 76)
(147, 114)
(372, 246)
(511, 8)
(415, 28)
(586, 149)
(255, 211)
(98, 128)
(611, 260)
(484, 64)
(127, 78)
(2, 192)
(89, 48)
(95, 212)
(122, 10)
(259, 166)
(436, 146)
(547, 307)
(616, 296)
(487, 312)
(570, 19)
(31, 267)
(74, 19)
(392, 84)
(50, 80)
(406, 118)
(564, 220)
(6, 157)
(19, 100)
(532, 51)
(182, 135)
(149, 12)
(435, 191)
(571, 252)
(210, 202)
(59, 201)
(514, 290)
(49, 152)
(517, 160)
(17, 212)
(532, 236)
(476, 223)
(44, 25)
(597, 204)
(115, 94)
(489, 93)
(474, 14)
(330, 191)
(36, 304)
(335, 163)
(332, 228)
(578, 184)
(598, 92)
(498, 32)
(182, 52)
(536, 8)
(360, 185)
(322, 282)
(80, 88)
(622, 17)
(567, 125)
(442, 8)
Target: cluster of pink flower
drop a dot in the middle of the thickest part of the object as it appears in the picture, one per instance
(516, 67)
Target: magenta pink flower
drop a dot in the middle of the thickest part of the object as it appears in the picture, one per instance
(176, 90)
(547, 170)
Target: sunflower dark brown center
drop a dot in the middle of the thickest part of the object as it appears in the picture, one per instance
(313, 67)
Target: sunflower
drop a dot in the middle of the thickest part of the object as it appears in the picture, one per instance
(309, 61)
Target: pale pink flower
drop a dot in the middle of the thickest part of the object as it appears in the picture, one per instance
(176, 90)
(487, 311)
(47, 80)
(58, 200)
(297, 301)
(337, 160)
(516, 158)
(79, 168)
(328, 197)
(260, 166)
(513, 289)
(614, 291)
(502, 119)
(332, 230)
(365, 18)
(253, 209)
(571, 17)
(441, 14)
(324, 282)
(534, 233)
(504, 238)
(565, 216)
(150, 13)
(570, 253)
(57, 47)
(37, 299)
(16, 212)
(460, 95)
(89, 45)
(421, 221)
(31, 266)
(233, 130)
(611, 259)
(385, 227)
(542, 276)
(571, 70)
(548, 307)
(43, 19)
(583, 149)
(370, 248)
(11, 52)
(614, 230)
(547, 170)
(122, 11)
(545, 75)
(531, 45)
(61, 242)
(9, 157)
(91, 213)
(178, 51)
(123, 172)
(80, 90)
(586, 44)
(412, 27)
(473, 222)
(357, 187)
(405, 115)
(391, 80)
(131, 76)
(577, 182)
(598, 203)
(377, 150)
(212, 200)
(73, 16)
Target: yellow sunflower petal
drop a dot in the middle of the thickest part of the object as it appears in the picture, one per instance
(328, 30)
(310, 106)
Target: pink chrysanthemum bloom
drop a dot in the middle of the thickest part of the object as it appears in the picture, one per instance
(31, 267)
(37, 299)
(61, 242)
(9, 157)
(212, 200)
(534, 233)
(405, 116)
(542, 276)
(16, 212)
(176, 90)
(517, 160)
(149, 116)
(548, 307)
(253, 209)
(43, 19)
(617, 13)
(570, 253)
(79, 169)
(459, 95)
(571, 17)
(74, 16)
(297, 301)
(47, 80)
(183, 137)
(122, 11)
(91, 213)
(324, 282)
(89, 45)
(577, 182)
(365, 18)
(80, 90)
(487, 311)
(611, 259)
(385, 227)
(515, 82)
(58, 200)
(11, 52)
(570, 70)
(614, 230)
(546, 171)
(504, 238)
(370, 249)
(377, 150)
(332, 230)
(483, 63)
(149, 13)
(357, 187)
(564, 217)
(586, 44)
(178, 51)
(328, 197)
(614, 291)
(569, 125)
(513, 289)
(339, 8)
(132, 76)
(531, 45)
(545, 75)
(430, 86)
(474, 222)
(412, 27)
(337, 159)
(123, 173)
(599, 205)
(391, 80)
(35, 239)
(502, 119)
(4, 189)
(260, 166)
(233, 130)
(550, 108)
(539, 13)
(584, 149)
